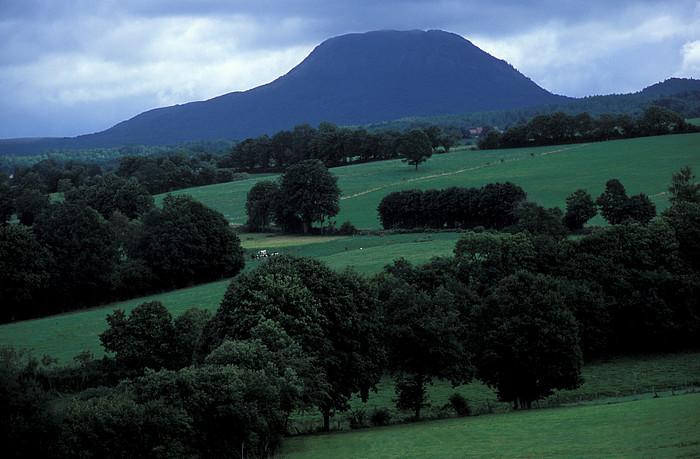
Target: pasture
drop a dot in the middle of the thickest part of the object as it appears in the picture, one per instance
(656, 427)
(547, 174)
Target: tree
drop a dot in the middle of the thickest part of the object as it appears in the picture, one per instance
(187, 242)
(84, 248)
(484, 259)
(260, 204)
(426, 338)
(580, 208)
(308, 192)
(25, 269)
(145, 339)
(415, 147)
(527, 340)
(612, 202)
(683, 187)
(113, 192)
(640, 209)
(331, 316)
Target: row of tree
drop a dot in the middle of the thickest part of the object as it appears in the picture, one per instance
(491, 206)
(157, 173)
(333, 145)
(560, 128)
(501, 206)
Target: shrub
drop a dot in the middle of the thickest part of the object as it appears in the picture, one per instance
(460, 405)
(380, 417)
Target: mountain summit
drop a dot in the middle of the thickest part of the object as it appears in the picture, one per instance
(350, 79)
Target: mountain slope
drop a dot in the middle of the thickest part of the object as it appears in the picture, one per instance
(351, 79)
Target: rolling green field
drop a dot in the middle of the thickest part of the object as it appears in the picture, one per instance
(658, 427)
(547, 174)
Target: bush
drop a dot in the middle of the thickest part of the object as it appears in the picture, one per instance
(460, 405)
(347, 229)
(380, 417)
(358, 418)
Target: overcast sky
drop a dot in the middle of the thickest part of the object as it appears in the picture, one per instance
(71, 67)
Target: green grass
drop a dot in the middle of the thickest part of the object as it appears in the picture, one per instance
(66, 335)
(607, 381)
(661, 427)
(547, 174)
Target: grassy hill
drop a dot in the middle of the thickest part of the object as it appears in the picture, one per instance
(547, 174)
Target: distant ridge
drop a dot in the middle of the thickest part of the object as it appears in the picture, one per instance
(350, 79)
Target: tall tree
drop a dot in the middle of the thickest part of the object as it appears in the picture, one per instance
(612, 202)
(426, 338)
(144, 339)
(308, 192)
(415, 147)
(260, 204)
(580, 208)
(527, 340)
(332, 316)
(683, 187)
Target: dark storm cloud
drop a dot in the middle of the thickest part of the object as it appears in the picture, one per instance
(76, 66)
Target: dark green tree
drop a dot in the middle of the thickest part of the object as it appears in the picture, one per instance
(309, 193)
(415, 147)
(186, 242)
(85, 251)
(332, 316)
(25, 269)
(640, 209)
(260, 204)
(425, 338)
(612, 202)
(144, 339)
(683, 187)
(112, 193)
(580, 208)
(527, 340)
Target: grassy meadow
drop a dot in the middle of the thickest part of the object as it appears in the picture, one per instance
(656, 427)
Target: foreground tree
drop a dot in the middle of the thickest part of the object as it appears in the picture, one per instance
(308, 193)
(426, 339)
(331, 316)
(527, 340)
(415, 147)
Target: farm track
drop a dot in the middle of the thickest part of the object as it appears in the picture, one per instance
(460, 171)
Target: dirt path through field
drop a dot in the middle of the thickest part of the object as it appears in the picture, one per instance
(428, 177)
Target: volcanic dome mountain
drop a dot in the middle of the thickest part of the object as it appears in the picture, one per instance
(347, 80)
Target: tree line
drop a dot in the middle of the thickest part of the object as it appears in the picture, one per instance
(520, 311)
(334, 146)
(500, 206)
(558, 128)
(105, 242)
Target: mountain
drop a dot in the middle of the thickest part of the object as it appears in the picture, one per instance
(347, 80)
